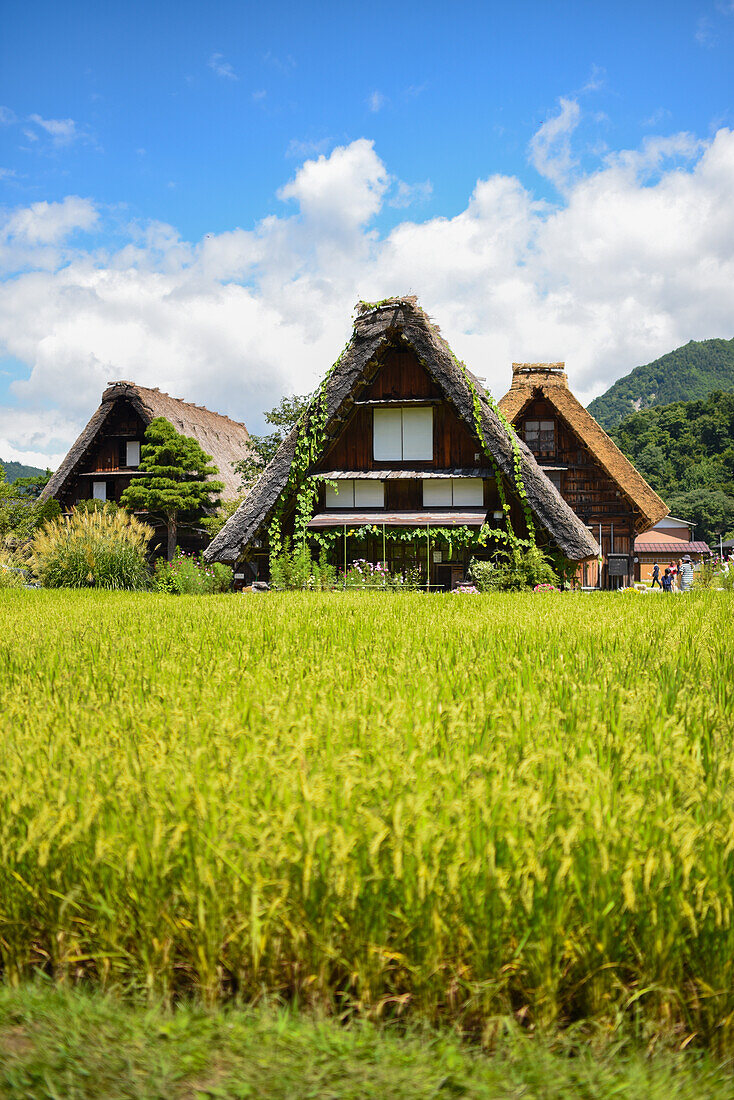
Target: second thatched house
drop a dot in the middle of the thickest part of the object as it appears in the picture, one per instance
(106, 457)
(400, 458)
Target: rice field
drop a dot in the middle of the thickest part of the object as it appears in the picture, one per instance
(456, 807)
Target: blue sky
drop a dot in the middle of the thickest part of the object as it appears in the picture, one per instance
(135, 134)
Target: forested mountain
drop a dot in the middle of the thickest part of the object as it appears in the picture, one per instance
(17, 469)
(686, 374)
(685, 450)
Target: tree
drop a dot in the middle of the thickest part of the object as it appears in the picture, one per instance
(711, 510)
(20, 512)
(32, 486)
(175, 482)
(263, 447)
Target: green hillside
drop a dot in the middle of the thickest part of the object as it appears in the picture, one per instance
(17, 469)
(686, 452)
(686, 374)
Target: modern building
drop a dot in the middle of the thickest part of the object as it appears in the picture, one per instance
(669, 540)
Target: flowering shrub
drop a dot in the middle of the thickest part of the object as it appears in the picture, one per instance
(187, 574)
(546, 588)
(363, 574)
(467, 589)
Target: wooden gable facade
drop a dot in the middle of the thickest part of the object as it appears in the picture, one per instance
(601, 486)
(447, 484)
(110, 460)
(402, 450)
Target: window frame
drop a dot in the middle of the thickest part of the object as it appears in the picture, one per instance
(346, 489)
(451, 482)
(535, 441)
(415, 453)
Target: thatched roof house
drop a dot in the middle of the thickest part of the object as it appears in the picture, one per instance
(594, 477)
(104, 459)
(396, 363)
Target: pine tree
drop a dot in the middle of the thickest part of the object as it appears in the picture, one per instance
(174, 479)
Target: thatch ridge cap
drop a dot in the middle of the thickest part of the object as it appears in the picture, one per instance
(112, 394)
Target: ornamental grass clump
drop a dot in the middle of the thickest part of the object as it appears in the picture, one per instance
(103, 549)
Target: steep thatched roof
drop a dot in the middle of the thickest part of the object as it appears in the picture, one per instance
(548, 380)
(401, 321)
(224, 439)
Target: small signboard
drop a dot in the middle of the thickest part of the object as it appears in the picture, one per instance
(618, 565)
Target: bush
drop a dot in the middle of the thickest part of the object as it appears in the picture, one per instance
(92, 549)
(188, 575)
(298, 569)
(706, 576)
(513, 570)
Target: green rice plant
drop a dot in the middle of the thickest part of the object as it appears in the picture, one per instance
(409, 805)
(92, 549)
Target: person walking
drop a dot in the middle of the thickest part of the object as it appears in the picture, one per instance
(686, 574)
(667, 585)
(656, 576)
(673, 574)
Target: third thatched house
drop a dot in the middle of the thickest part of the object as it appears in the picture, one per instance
(602, 486)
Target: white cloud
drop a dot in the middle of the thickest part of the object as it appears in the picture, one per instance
(221, 67)
(637, 259)
(550, 147)
(376, 101)
(339, 194)
(406, 194)
(49, 222)
(63, 131)
(7, 117)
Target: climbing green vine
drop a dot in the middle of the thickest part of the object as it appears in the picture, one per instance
(516, 455)
(310, 439)
(456, 537)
